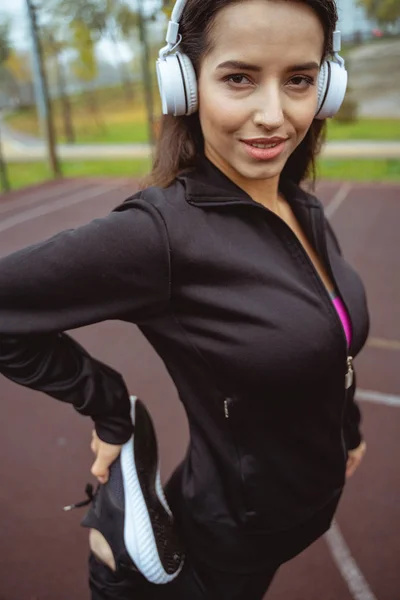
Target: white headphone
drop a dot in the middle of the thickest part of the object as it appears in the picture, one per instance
(177, 80)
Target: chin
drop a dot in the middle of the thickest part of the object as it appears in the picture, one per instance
(259, 169)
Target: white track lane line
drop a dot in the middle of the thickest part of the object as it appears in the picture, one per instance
(338, 199)
(347, 566)
(340, 552)
(378, 397)
(55, 205)
(383, 343)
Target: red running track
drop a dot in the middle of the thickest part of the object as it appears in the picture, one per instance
(44, 445)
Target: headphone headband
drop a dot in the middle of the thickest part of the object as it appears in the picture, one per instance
(178, 83)
(337, 41)
(173, 39)
(178, 10)
(173, 25)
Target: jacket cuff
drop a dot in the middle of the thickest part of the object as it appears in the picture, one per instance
(353, 437)
(115, 429)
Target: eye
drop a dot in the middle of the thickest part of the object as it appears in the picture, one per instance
(302, 81)
(237, 79)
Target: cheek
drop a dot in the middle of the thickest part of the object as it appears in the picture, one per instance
(218, 114)
(302, 115)
(306, 110)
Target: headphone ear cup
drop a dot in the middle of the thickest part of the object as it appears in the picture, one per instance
(190, 82)
(322, 85)
(177, 84)
(332, 84)
(170, 84)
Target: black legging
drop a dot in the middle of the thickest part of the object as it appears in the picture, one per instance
(195, 582)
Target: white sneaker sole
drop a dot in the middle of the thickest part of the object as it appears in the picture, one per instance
(138, 531)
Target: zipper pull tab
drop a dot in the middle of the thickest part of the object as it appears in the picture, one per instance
(348, 380)
(226, 409)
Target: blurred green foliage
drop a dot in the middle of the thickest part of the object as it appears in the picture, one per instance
(24, 174)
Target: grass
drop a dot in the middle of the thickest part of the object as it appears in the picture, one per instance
(117, 128)
(360, 170)
(123, 121)
(365, 129)
(117, 121)
(25, 174)
(129, 132)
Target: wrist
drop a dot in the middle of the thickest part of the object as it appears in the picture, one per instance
(115, 429)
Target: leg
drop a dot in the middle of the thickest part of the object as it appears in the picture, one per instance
(195, 582)
(239, 587)
(101, 549)
(200, 582)
(105, 584)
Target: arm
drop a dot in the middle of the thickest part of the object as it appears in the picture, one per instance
(113, 268)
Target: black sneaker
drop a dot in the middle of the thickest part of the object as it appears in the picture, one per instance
(131, 510)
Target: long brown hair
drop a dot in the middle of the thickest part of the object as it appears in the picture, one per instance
(180, 141)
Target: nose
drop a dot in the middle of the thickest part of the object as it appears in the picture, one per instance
(269, 112)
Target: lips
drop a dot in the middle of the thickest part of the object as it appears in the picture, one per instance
(263, 149)
(260, 145)
(265, 142)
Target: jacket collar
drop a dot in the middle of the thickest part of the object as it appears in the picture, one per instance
(207, 186)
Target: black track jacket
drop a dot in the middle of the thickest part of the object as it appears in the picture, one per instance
(229, 299)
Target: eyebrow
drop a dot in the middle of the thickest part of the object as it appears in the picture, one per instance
(238, 64)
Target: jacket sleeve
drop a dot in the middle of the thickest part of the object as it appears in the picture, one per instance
(352, 415)
(116, 267)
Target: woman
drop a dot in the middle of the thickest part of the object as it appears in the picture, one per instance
(235, 277)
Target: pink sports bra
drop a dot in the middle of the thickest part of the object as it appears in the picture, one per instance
(343, 315)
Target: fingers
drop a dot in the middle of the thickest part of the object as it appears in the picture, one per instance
(354, 459)
(100, 467)
(106, 454)
(352, 465)
(94, 444)
(100, 470)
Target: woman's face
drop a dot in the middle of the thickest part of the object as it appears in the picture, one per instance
(258, 85)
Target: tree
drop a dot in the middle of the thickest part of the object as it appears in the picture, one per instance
(85, 66)
(53, 47)
(148, 88)
(46, 108)
(5, 44)
(5, 48)
(17, 77)
(110, 19)
(5, 51)
(15, 72)
(385, 12)
(126, 22)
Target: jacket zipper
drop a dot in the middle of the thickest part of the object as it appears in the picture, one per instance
(349, 375)
(226, 407)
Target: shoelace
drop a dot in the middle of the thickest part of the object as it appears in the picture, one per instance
(90, 497)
